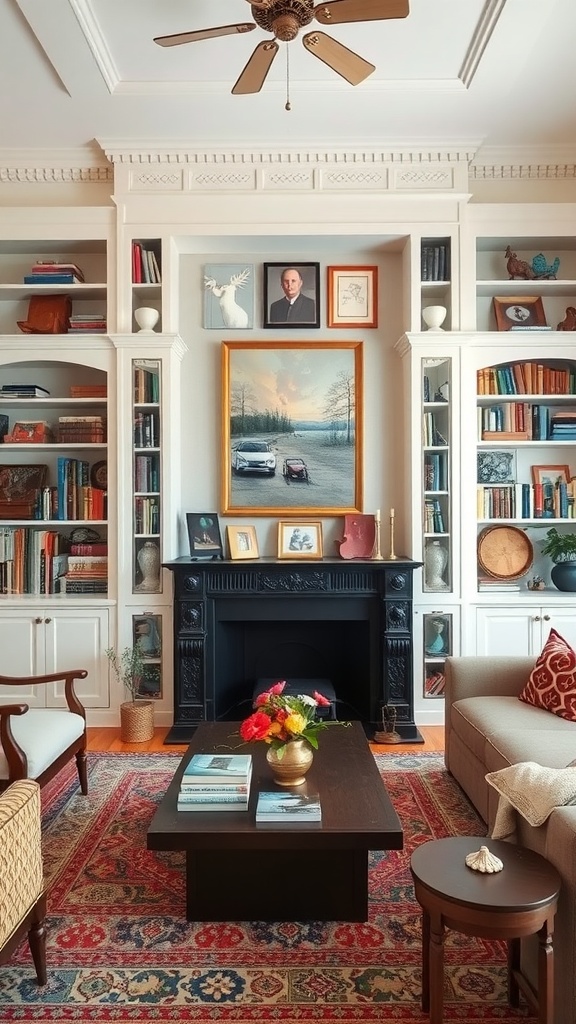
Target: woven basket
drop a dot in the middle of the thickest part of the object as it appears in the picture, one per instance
(136, 721)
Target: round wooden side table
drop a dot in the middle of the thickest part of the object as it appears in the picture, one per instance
(518, 901)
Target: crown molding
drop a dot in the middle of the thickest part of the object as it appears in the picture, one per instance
(554, 162)
(177, 151)
(87, 165)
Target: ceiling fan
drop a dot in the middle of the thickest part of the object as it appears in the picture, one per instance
(284, 19)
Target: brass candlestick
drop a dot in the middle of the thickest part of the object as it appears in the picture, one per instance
(377, 556)
(392, 556)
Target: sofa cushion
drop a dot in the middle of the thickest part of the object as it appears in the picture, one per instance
(476, 719)
(531, 789)
(552, 682)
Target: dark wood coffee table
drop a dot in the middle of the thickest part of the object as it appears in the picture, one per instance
(236, 870)
(516, 902)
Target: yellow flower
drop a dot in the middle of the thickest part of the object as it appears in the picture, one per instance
(295, 723)
(274, 729)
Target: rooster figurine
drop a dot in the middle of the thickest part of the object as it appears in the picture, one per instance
(542, 269)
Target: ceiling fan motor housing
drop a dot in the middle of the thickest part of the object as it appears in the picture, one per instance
(284, 18)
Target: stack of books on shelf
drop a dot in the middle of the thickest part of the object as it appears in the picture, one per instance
(435, 683)
(50, 272)
(76, 498)
(563, 426)
(85, 574)
(87, 323)
(288, 808)
(23, 391)
(488, 584)
(216, 782)
(81, 429)
(30, 562)
(145, 265)
(526, 379)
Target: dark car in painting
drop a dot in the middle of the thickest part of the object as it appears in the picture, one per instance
(295, 469)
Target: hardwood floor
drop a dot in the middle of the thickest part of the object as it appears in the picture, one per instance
(109, 740)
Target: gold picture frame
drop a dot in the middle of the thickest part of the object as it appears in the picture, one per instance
(287, 402)
(352, 296)
(242, 542)
(518, 312)
(550, 474)
(299, 540)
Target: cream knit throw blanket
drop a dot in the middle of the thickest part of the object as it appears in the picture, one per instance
(531, 790)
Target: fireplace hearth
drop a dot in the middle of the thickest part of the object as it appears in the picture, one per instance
(349, 622)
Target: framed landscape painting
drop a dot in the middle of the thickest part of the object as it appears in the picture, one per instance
(292, 427)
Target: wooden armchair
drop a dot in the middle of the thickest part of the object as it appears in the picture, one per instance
(35, 743)
(22, 896)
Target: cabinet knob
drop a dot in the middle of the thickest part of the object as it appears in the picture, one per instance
(546, 618)
(37, 620)
(47, 620)
(536, 618)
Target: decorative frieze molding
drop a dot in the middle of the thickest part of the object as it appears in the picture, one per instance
(512, 172)
(168, 153)
(57, 175)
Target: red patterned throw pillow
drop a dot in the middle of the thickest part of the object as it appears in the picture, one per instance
(552, 682)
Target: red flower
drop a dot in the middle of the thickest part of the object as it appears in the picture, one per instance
(278, 687)
(255, 727)
(322, 701)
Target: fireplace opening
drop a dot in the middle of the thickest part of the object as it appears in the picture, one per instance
(335, 650)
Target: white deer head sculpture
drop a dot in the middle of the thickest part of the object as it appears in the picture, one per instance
(232, 314)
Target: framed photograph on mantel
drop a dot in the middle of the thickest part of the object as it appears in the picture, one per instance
(292, 427)
(519, 313)
(352, 296)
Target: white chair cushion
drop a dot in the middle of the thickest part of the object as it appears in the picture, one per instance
(43, 736)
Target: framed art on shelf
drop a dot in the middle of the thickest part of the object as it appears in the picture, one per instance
(352, 296)
(285, 405)
(242, 542)
(291, 295)
(299, 540)
(519, 312)
(551, 475)
(204, 536)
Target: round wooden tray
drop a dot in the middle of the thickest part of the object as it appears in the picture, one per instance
(504, 552)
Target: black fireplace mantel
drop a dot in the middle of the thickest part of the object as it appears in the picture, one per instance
(361, 607)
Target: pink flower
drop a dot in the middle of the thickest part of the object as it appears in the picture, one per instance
(322, 701)
(255, 727)
(278, 687)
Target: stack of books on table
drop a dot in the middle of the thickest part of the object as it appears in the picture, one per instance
(216, 782)
(288, 808)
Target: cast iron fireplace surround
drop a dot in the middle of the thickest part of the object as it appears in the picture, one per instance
(346, 621)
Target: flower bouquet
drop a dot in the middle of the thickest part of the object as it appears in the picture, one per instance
(280, 719)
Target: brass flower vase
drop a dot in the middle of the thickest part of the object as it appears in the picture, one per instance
(290, 769)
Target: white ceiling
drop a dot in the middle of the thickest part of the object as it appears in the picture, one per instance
(490, 73)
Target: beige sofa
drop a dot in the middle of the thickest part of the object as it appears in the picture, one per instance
(488, 728)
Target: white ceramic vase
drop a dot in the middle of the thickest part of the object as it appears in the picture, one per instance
(434, 317)
(435, 562)
(146, 317)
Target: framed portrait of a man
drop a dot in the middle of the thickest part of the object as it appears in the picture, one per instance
(291, 295)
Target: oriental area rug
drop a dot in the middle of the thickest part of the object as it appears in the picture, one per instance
(120, 950)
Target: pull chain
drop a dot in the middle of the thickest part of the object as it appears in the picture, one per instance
(287, 104)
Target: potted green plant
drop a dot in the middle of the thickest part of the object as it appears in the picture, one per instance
(136, 715)
(562, 550)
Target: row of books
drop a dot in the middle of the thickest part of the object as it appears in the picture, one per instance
(147, 473)
(146, 384)
(435, 477)
(526, 379)
(76, 498)
(435, 683)
(433, 517)
(523, 421)
(145, 265)
(527, 501)
(216, 782)
(432, 436)
(146, 515)
(30, 560)
(146, 430)
(435, 261)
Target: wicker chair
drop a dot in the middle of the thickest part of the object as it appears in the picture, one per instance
(22, 896)
(35, 743)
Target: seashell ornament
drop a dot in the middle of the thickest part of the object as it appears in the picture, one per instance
(483, 860)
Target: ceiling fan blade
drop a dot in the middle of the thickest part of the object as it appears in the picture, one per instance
(204, 33)
(338, 57)
(339, 11)
(253, 76)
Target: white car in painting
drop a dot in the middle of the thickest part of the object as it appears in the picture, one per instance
(253, 457)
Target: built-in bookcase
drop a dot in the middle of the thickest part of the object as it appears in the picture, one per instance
(147, 476)
(146, 275)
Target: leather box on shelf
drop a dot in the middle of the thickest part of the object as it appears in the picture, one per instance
(47, 314)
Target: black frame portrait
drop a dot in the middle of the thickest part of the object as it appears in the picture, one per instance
(310, 274)
(197, 524)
